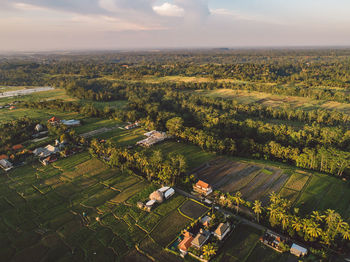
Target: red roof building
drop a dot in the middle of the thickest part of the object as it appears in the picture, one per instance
(186, 242)
(202, 188)
(53, 120)
(17, 147)
(3, 157)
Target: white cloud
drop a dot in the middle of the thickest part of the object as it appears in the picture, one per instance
(168, 9)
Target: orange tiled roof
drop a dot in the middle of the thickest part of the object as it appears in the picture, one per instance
(17, 147)
(186, 243)
(3, 157)
(202, 184)
(53, 119)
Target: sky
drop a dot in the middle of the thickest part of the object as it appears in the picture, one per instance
(45, 25)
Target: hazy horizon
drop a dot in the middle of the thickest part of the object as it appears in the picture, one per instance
(82, 25)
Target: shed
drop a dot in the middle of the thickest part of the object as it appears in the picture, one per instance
(169, 193)
(163, 189)
(298, 251)
(39, 128)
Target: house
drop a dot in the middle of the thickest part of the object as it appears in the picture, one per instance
(48, 160)
(3, 157)
(17, 147)
(222, 230)
(201, 238)
(150, 204)
(39, 128)
(71, 122)
(12, 107)
(157, 196)
(132, 126)
(54, 121)
(202, 188)
(205, 221)
(153, 137)
(298, 251)
(46, 151)
(6, 165)
(186, 243)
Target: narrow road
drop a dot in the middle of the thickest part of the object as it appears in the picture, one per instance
(242, 219)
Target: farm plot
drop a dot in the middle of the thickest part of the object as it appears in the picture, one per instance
(193, 209)
(253, 180)
(325, 192)
(163, 234)
(239, 244)
(291, 189)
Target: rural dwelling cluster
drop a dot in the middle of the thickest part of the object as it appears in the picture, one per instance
(48, 154)
(207, 233)
(153, 137)
(157, 197)
(202, 188)
(10, 106)
(282, 244)
(132, 125)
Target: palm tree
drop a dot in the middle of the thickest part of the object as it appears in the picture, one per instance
(317, 216)
(273, 197)
(284, 218)
(313, 230)
(209, 250)
(297, 224)
(237, 199)
(257, 208)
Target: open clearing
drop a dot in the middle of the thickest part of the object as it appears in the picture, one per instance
(266, 99)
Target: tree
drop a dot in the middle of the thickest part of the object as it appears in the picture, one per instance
(237, 200)
(175, 125)
(209, 250)
(257, 208)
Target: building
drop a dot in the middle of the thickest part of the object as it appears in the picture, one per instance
(17, 147)
(71, 122)
(222, 230)
(39, 128)
(153, 137)
(202, 188)
(48, 160)
(54, 121)
(201, 238)
(186, 243)
(169, 193)
(205, 221)
(150, 204)
(132, 126)
(298, 251)
(6, 165)
(157, 196)
(3, 157)
(46, 151)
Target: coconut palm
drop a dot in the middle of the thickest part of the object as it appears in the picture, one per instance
(297, 224)
(257, 208)
(209, 250)
(237, 199)
(317, 216)
(313, 230)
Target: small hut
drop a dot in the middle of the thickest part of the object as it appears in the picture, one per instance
(157, 196)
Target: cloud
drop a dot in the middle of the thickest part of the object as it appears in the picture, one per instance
(168, 9)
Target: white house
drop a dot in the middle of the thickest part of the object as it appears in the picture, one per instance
(222, 230)
(5, 164)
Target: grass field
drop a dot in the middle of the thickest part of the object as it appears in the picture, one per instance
(266, 99)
